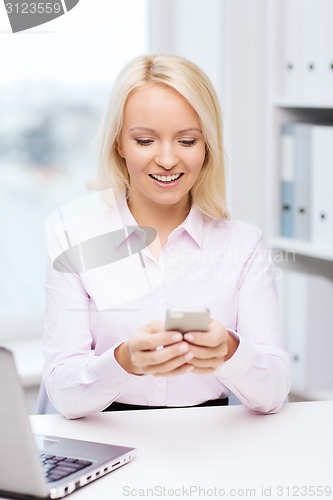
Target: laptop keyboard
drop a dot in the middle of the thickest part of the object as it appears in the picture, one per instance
(56, 467)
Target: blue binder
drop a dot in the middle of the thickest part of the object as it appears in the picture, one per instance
(302, 213)
(287, 174)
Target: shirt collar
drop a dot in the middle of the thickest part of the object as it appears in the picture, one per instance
(137, 236)
(192, 225)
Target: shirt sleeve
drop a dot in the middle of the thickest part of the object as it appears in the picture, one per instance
(77, 381)
(259, 372)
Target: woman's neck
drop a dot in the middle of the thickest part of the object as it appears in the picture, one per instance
(163, 218)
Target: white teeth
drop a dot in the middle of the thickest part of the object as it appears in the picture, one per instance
(165, 178)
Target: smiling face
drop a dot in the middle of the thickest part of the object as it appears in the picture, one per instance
(163, 146)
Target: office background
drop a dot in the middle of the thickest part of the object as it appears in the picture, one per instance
(54, 85)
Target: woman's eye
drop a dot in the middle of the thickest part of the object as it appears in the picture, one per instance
(144, 142)
(188, 142)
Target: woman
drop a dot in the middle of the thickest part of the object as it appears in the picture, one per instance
(161, 166)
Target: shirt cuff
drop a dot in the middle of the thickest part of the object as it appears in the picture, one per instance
(108, 370)
(240, 363)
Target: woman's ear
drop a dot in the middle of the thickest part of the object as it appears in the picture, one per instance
(119, 148)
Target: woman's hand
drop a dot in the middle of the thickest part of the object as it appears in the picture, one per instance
(154, 351)
(210, 349)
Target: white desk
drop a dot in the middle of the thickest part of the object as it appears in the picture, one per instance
(225, 451)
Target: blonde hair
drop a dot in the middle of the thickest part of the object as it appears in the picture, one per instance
(209, 191)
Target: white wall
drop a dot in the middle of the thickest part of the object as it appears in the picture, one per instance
(245, 106)
(227, 39)
(191, 29)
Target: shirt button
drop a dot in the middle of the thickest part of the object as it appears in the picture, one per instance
(159, 386)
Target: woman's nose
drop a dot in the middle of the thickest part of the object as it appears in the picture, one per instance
(166, 158)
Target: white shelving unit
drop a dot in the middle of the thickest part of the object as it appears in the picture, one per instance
(309, 259)
(304, 248)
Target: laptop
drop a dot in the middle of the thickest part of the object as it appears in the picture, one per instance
(42, 466)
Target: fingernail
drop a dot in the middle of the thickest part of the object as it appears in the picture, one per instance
(183, 348)
(188, 337)
(177, 337)
(188, 356)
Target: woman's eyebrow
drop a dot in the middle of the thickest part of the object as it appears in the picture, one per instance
(143, 129)
(152, 131)
(190, 129)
